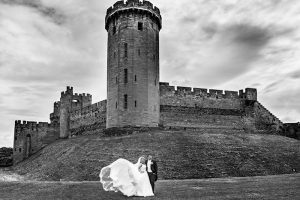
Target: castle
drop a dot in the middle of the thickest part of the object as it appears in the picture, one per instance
(136, 98)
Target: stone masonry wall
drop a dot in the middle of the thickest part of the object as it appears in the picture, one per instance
(195, 117)
(200, 108)
(88, 116)
(198, 97)
(265, 121)
(30, 137)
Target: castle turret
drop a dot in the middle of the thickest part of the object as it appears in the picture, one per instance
(65, 108)
(251, 94)
(133, 64)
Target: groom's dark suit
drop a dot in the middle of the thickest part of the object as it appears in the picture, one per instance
(153, 174)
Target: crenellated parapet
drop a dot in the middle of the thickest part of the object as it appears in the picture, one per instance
(166, 89)
(83, 98)
(69, 91)
(32, 125)
(132, 6)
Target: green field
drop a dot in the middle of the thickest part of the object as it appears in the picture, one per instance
(268, 187)
(210, 153)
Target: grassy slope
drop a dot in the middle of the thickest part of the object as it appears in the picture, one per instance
(180, 155)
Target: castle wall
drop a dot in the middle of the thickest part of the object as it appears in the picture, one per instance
(94, 114)
(199, 107)
(198, 97)
(196, 117)
(30, 137)
(292, 130)
(265, 121)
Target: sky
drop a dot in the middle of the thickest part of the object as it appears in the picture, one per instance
(46, 45)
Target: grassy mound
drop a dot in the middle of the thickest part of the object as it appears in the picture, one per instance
(179, 154)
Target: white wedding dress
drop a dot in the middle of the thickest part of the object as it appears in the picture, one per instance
(126, 177)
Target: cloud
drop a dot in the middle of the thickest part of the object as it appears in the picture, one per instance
(295, 74)
(37, 49)
(232, 52)
(52, 13)
(272, 86)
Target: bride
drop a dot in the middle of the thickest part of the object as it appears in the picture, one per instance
(126, 177)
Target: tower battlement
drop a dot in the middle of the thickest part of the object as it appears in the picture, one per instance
(132, 6)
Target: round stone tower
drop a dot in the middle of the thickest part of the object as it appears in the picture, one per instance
(133, 64)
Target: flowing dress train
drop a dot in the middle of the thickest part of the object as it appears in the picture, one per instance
(126, 177)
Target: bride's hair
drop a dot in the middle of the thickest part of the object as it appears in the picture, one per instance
(140, 158)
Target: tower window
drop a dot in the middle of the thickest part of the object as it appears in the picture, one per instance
(114, 30)
(140, 26)
(114, 54)
(125, 75)
(116, 80)
(20, 150)
(125, 50)
(139, 52)
(135, 78)
(116, 105)
(125, 101)
(135, 103)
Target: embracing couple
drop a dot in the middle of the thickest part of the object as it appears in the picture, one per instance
(130, 179)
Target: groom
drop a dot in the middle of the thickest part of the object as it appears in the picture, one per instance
(151, 168)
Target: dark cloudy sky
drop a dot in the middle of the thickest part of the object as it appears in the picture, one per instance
(46, 45)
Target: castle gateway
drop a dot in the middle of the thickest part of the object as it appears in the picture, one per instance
(136, 98)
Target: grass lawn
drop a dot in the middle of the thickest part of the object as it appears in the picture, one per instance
(264, 187)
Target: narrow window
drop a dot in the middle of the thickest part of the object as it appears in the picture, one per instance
(135, 78)
(139, 52)
(135, 104)
(125, 101)
(114, 30)
(116, 80)
(125, 75)
(125, 50)
(140, 26)
(15, 138)
(114, 54)
(15, 149)
(116, 105)
(20, 149)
